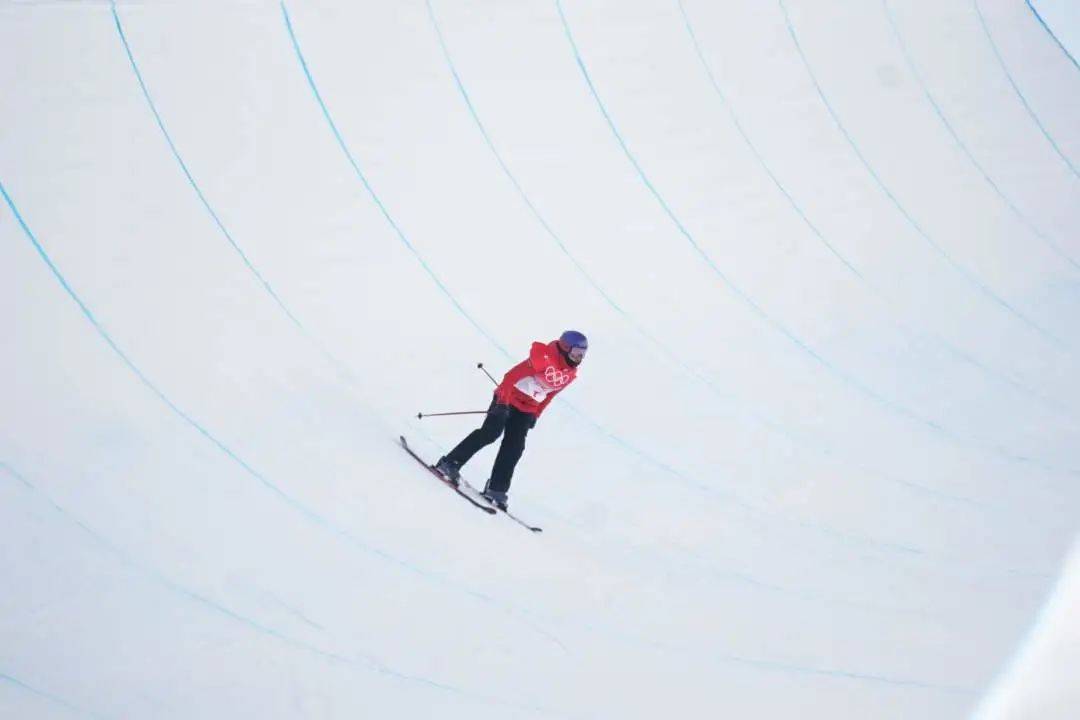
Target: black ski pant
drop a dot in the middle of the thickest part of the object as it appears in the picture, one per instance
(503, 420)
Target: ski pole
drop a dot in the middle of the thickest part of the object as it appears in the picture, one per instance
(481, 366)
(420, 416)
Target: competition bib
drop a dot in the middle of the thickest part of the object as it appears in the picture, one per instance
(532, 387)
(538, 387)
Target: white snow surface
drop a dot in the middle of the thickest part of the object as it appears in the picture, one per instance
(822, 460)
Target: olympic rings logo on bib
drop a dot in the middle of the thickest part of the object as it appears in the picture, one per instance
(556, 377)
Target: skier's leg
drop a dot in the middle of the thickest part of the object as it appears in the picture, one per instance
(513, 445)
(483, 436)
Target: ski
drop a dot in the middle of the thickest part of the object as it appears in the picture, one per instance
(521, 522)
(507, 513)
(480, 504)
(475, 503)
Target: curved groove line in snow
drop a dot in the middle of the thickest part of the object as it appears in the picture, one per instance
(191, 180)
(1052, 35)
(517, 185)
(1019, 93)
(191, 594)
(763, 420)
(967, 274)
(666, 208)
(848, 539)
(754, 148)
(1024, 220)
(694, 560)
(340, 366)
(789, 668)
(873, 291)
(130, 364)
(374, 196)
(55, 699)
(767, 319)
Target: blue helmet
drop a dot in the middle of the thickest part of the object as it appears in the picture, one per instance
(573, 345)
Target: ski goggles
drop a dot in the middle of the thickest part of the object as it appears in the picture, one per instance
(577, 353)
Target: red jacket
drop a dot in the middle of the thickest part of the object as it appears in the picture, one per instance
(530, 385)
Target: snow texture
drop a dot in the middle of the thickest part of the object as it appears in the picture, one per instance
(822, 460)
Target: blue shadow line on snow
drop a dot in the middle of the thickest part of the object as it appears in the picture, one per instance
(1052, 35)
(967, 274)
(1019, 93)
(365, 662)
(51, 697)
(846, 674)
(1024, 220)
(776, 325)
(191, 180)
(787, 668)
(765, 421)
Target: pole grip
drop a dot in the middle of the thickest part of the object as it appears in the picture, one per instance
(493, 380)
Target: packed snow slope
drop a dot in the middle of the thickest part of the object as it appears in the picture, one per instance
(821, 461)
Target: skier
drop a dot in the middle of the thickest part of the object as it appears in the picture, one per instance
(519, 400)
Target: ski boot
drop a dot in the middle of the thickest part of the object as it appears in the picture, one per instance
(449, 470)
(497, 498)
